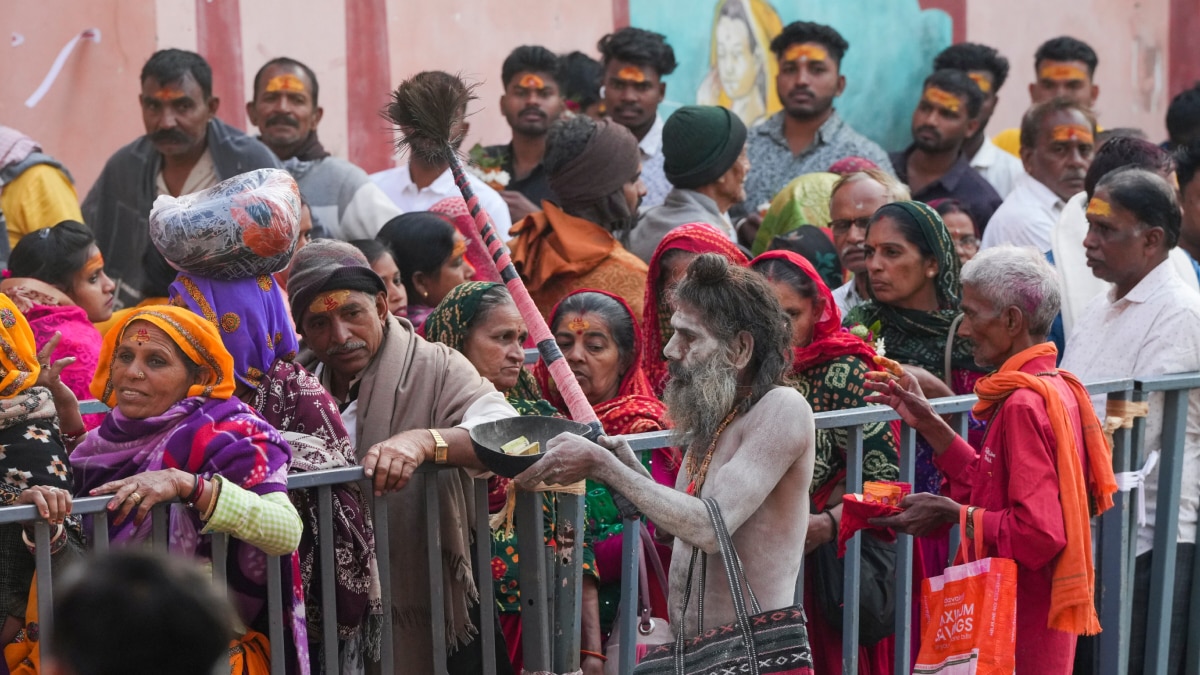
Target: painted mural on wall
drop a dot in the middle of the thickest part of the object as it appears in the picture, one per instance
(723, 50)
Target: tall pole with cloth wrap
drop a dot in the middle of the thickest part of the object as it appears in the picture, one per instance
(428, 111)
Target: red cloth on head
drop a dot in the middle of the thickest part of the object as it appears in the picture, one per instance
(830, 340)
(477, 253)
(693, 238)
(847, 165)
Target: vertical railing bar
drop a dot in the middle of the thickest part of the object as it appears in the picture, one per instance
(1166, 528)
(328, 571)
(433, 549)
(275, 624)
(1192, 658)
(100, 531)
(387, 656)
(535, 605)
(852, 579)
(45, 579)
(904, 562)
(568, 584)
(631, 548)
(220, 555)
(1112, 649)
(160, 523)
(483, 576)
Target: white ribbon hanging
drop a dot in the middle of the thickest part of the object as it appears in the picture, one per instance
(1130, 480)
(92, 34)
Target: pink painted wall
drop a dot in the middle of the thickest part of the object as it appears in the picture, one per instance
(91, 110)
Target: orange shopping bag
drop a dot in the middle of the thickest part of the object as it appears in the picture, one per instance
(969, 614)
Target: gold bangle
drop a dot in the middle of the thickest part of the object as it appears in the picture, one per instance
(971, 522)
(440, 448)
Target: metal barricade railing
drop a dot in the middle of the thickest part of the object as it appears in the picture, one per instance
(550, 617)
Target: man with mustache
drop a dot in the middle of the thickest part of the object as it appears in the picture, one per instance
(418, 183)
(531, 102)
(404, 402)
(748, 441)
(854, 198)
(808, 134)
(1057, 142)
(185, 149)
(934, 166)
(635, 61)
(345, 204)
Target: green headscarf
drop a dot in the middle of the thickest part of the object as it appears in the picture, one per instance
(449, 323)
(913, 336)
(804, 201)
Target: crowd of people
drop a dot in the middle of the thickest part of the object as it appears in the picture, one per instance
(699, 275)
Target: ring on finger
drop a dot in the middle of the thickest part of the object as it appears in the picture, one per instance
(135, 497)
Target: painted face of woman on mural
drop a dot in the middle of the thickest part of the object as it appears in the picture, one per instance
(737, 62)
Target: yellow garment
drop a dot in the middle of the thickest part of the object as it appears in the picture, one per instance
(24, 656)
(19, 367)
(119, 316)
(764, 24)
(198, 339)
(42, 196)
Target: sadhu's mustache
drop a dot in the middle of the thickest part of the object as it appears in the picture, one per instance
(348, 346)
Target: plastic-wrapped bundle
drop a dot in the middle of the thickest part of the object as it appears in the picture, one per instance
(241, 227)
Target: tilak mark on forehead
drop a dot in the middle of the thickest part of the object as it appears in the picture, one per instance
(632, 74)
(943, 98)
(1099, 207)
(531, 81)
(329, 301)
(981, 81)
(805, 51)
(1062, 71)
(578, 324)
(1072, 132)
(287, 82)
(167, 94)
(142, 335)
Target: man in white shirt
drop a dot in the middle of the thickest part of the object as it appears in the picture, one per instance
(420, 184)
(989, 70)
(1147, 325)
(635, 61)
(1057, 142)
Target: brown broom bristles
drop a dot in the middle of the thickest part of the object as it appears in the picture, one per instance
(428, 110)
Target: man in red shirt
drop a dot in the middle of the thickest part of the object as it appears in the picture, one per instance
(1043, 457)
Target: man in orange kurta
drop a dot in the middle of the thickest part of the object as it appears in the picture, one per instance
(594, 168)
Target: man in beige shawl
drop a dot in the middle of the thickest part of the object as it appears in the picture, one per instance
(404, 401)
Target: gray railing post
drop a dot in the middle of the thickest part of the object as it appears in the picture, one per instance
(904, 562)
(1114, 594)
(1166, 528)
(387, 656)
(275, 623)
(631, 548)
(329, 636)
(433, 550)
(853, 570)
(45, 605)
(568, 582)
(535, 603)
(483, 577)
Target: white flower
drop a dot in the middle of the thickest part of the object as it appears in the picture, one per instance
(497, 177)
(880, 349)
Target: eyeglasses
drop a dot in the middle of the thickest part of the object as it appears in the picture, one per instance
(842, 225)
(967, 242)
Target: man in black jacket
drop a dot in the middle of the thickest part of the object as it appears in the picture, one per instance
(185, 149)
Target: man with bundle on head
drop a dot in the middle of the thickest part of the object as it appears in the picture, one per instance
(808, 134)
(1026, 495)
(1148, 324)
(748, 441)
(404, 402)
(425, 179)
(704, 150)
(186, 149)
(572, 244)
(343, 201)
(635, 62)
(989, 70)
(1064, 67)
(1057, 143)
(934, 166)
(531, 102)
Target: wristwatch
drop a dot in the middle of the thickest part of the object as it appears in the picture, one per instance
(439, 447)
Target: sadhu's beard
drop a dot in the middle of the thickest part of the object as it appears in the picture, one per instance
(699, 398)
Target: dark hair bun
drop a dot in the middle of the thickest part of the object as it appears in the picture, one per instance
(708, 269)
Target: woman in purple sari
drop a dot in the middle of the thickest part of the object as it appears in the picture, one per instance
(177, 432)
(256, 329)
